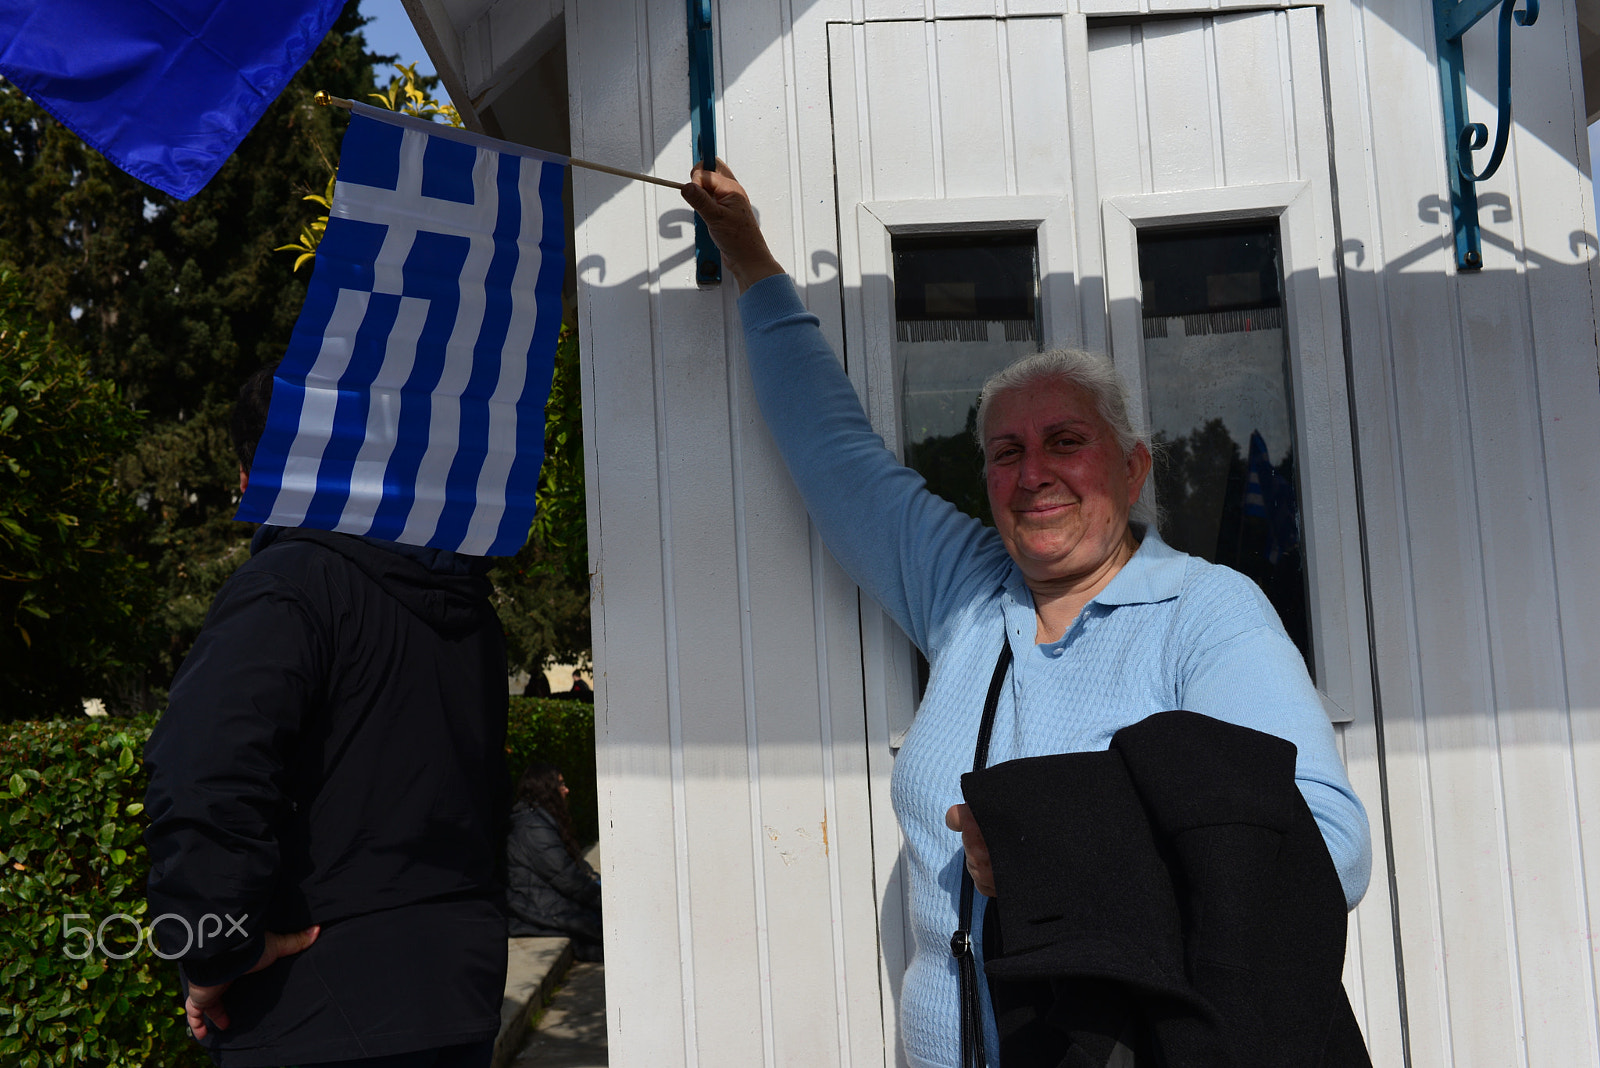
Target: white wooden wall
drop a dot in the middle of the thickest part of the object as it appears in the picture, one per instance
(1479, 428)
(741, 922)
(745, 699)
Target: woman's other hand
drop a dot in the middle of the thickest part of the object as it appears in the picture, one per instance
(959, 818)
(722, 202)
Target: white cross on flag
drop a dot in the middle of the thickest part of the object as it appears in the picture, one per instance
(410, 403)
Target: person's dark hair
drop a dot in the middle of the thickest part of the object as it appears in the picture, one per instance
(540, 785)
(250, 414)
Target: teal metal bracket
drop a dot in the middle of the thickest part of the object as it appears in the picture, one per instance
(1451, 20)
(703, 131)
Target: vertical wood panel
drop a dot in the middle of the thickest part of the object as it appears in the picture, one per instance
(1117, 114)
(1425, 384)
(966, 9)
(1561, 281)
(897, 97)
(883, 10)
(705, 685)
(1376, 426)
(1177, 96)
(973, 144)
(853, 150)
(633, 751)
(1339, 562)
(1250, 100)
(1386, 57)
(1084, 199)
(799, 880)
(1037, 59)
(857, 802)
(1532, 694)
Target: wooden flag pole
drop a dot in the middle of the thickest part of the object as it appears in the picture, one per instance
(326, 99)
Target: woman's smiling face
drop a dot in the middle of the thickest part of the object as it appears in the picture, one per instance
(1059, 484)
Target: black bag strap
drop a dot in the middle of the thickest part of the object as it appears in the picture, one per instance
(961, 940)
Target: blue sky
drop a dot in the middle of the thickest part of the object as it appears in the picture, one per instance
(390, 31)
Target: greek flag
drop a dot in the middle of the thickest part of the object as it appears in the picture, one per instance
(410, 403)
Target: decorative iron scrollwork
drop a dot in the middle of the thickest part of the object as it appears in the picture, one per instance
(1452, 19)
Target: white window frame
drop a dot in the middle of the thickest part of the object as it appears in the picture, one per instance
(1323, 447)
(890, 665)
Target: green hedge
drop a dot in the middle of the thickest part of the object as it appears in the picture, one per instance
(74, 794)
(72, 853)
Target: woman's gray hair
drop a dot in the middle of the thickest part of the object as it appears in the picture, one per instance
(1096, 375)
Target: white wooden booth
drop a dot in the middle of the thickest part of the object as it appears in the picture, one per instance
(1447, 425)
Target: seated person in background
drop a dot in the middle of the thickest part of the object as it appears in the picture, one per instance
(550, 888)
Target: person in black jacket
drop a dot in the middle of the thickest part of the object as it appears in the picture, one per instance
(327, 804)
(550, 888)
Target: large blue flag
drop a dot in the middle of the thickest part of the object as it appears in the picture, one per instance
(410, 404)
(165, 89)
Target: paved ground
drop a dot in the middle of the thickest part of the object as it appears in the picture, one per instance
(572, 1031)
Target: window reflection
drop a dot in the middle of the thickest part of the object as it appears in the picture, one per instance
(1217, 382)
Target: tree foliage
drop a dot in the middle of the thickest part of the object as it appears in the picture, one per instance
(953, 467)
(176, 302)
(73, 600)
(542, 593)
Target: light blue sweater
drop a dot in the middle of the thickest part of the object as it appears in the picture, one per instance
(1169, 631)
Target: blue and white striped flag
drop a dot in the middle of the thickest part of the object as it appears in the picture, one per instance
(410, 404)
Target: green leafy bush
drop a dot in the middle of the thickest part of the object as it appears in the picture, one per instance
(73, 857)
(561, 732)
(73, 600)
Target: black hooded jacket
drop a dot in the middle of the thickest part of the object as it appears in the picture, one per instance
(333, 753)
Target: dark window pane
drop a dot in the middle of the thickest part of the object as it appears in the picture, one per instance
(1217, 379)
(976, 277)
(1205, 272)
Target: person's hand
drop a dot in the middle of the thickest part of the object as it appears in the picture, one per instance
(722, 202)
(959, 818)
(204, 1003)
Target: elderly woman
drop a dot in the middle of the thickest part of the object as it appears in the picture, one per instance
(1106, 624)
